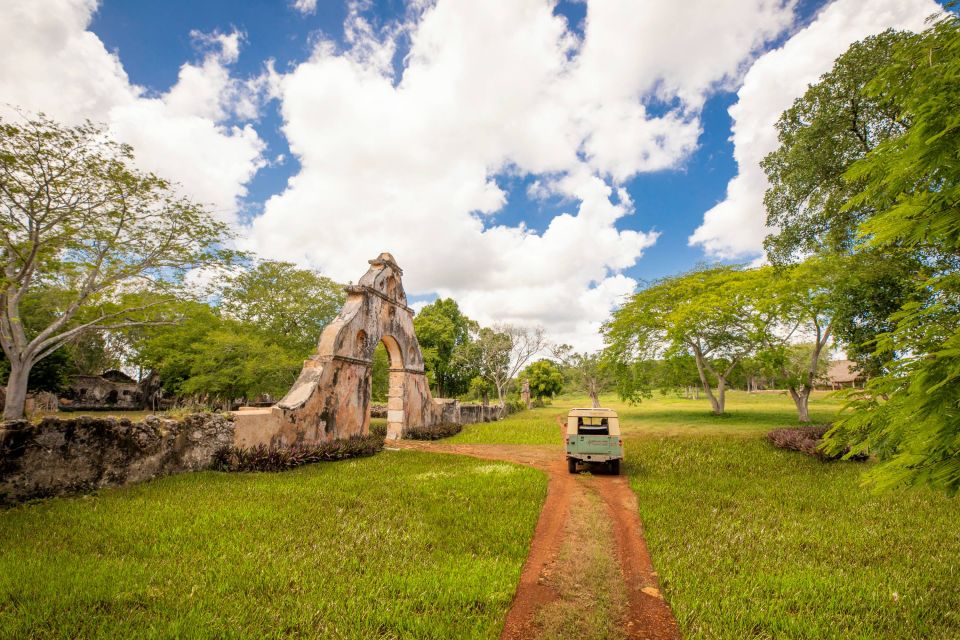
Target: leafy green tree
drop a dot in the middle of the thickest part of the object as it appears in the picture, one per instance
(589, 372)
(834, 124)
(909, 416)
(220, 359)
(286, 303)
(872, 288)
(545, 378)
(168, 350)
(713, 314)
(481, 388)
(83, 222)
(678, 372)
(795, 346)
(441, 328)
(234, 363)
(498, 354)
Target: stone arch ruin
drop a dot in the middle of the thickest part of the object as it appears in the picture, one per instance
(331, 397)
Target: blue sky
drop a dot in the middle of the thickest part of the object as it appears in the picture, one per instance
(536, 160)
(153, 40)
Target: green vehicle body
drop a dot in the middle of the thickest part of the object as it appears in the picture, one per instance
(593, 435)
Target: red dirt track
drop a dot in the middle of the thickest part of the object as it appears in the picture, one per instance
(648, 616)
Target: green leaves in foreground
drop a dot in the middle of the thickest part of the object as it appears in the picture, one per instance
(911, 415)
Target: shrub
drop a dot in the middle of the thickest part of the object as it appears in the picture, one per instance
(514, 406)
(263, 458)
(378, 430)
(433, 432)
(806, 440)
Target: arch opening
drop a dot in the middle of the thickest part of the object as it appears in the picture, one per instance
(396, 383)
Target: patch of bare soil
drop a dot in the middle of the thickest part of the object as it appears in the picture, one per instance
(588, 560)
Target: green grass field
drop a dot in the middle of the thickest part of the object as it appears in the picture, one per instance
(398, 545)
(754, 542)
(749, 541)
(537, 426)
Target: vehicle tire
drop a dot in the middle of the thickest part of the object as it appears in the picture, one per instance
(614, 467)
(572, 465)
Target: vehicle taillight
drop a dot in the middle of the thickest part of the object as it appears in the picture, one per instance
(621, 442)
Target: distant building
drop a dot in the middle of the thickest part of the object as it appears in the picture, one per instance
(843, 374)
(112, 390)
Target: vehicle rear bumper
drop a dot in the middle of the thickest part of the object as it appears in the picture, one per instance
(594, 457)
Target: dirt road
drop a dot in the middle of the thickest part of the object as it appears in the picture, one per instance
(570, 584)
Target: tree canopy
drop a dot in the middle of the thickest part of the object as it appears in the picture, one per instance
(441, 329)
(290, 304)
(544, 377)
(714, 314)
(83, 223)
(911, 415)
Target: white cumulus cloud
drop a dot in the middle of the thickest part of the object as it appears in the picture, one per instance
(413, 163)
(736, 226)
(51, 62)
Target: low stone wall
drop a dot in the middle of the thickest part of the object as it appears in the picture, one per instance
(473, 413)
(60, 456)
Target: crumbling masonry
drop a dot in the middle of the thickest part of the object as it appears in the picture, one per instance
(331, 397)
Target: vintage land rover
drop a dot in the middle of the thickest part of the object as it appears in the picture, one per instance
(593, 435)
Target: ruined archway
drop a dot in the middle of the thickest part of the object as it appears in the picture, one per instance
(331, 397)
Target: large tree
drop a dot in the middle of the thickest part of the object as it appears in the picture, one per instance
(216, 359)
(911, 415)
(498, 354)
(288, 304)
(544, 377)
(80, 219)
(834, 124)
(716, 315)
(588, 371)
(809, 203)
(800, 301)
(441, 329)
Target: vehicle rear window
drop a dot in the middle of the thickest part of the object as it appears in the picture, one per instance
(593, 426)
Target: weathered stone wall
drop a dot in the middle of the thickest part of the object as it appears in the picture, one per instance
(473, 413)
(60, 456)
(330, 399)
(86, 393)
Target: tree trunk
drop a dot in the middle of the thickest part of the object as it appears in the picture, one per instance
(721, 396)
(16, 391)
(801, 398)
(594, 396)
(715, 406)
(500, 403)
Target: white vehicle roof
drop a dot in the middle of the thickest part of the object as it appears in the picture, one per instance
(613, 422)
(599, 411)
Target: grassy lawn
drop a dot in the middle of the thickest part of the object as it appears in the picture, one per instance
(537, 426)
(746, 414)
(754, 542)
(399, 545)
